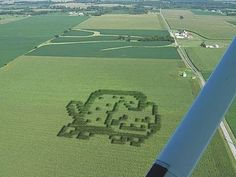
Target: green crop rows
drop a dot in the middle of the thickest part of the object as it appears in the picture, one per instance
(19, 37)
(120, 127)
(109, 50)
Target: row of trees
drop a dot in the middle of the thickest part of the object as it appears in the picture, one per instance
(148, 38)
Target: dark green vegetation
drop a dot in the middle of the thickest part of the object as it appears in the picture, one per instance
(109, 50)
(232, 22)
(77, 33)
(115, 113)
(84, 39)
(19, 37)
(153, 40)
(114, 35)
(134, 32)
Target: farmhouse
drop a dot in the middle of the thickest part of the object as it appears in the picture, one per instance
(76, 14)
(183, 35)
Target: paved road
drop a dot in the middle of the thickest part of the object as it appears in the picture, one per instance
(189, 64)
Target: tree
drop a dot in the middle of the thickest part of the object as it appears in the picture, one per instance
(203, 44)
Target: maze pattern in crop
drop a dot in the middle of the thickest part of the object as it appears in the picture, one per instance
(125, 116)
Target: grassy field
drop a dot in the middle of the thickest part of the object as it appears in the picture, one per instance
(115, 21)
(109, 50)
(210, 27)
(19, 37)
(36, 91)
(205, 59)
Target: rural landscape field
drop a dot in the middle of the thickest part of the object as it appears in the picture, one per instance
(100, 95)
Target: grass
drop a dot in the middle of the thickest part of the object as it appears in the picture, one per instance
(36, 91)
(78, 33)
(19, 37)
(117, 21)
(109, 50)
(205, 59)
(210, 27)
(80, 39)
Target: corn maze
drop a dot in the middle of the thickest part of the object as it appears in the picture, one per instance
(124, 116)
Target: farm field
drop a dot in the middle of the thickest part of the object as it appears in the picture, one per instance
(85, 108)
(116, 42)
(109, 49)
(110, 34)
(208, 26)
(19, 37)
(148, 22)
(41, 107)
(205, 59)
(31, 87)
